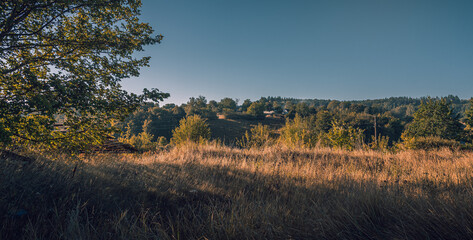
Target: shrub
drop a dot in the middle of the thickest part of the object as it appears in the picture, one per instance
(379, 143)
(299, 132)
(342, 137)
(142, 141)
(427, 143)
(258, 136)
(162, 141)
(191, 129)
(256, 109)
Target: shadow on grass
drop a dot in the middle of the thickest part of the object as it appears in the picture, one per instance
(113, 199)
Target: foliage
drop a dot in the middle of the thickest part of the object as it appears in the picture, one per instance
(152, 119)
(198, 106)
(434, 118)
(469, 115)
(299, 132)
(66, 58)
(213, 106)
(323, 122)
(258, 136)
(142, 141)
(191, 129)
(302, 109)
(227, 105)
(386, 124)
(379, 143)
(245, 105)
(343, 137)
(256, 109)
(162, 142)
(430, 142)
(390, 114)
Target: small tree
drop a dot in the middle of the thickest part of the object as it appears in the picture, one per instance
(256, 109)
(299, 132)
(246, 104)
(191, 129)
(434, 118)
(302, 109)
(227, 105)
(379, 143)
(258, 136)
(198, 106)
(342, 137)
(142, 141)
(323, 122)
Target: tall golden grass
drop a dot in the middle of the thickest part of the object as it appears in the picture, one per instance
(217, 192)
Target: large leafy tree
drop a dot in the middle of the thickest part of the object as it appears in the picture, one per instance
(435, 118)
(256, 109)
(227, 105)
(198, 106)
(66, 58)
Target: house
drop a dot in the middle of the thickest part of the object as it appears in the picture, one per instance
(268, 112)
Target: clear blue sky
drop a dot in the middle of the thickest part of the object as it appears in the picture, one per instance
(330, 49)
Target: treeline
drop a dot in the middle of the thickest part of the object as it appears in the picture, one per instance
(400, 107)
(382, 121)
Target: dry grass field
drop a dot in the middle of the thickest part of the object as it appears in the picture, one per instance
(216, 192)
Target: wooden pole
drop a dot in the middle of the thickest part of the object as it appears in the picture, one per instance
(375, 132)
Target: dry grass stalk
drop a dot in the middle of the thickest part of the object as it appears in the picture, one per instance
(218, 192)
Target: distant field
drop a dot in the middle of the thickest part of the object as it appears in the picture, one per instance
(213, 192)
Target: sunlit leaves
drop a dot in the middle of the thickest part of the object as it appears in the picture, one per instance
(66, 58)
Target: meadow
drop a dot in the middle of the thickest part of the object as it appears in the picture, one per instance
(217, 192)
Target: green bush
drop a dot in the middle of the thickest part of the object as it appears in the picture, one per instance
(256, 109)
(342, 137)
(427, 143)
(435, 118)
(379, 143)
(162, 141)
(191, 129)
(142, 141)
(299, 132)
(258, 136)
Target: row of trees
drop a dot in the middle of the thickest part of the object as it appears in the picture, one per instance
(311, 126)
(434, 125)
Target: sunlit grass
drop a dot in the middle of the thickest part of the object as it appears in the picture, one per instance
(217, 192)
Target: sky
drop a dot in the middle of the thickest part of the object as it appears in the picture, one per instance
(331, 49)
